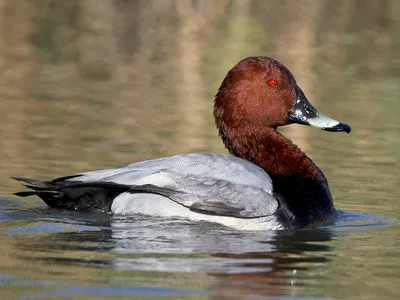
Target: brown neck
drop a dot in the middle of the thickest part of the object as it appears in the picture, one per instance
(272, 152)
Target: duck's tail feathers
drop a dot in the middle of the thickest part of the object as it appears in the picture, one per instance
(73, 194)
(33, 193)
(34, 184)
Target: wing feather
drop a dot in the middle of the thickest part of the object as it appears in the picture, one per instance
(219, 197)
(202, 182)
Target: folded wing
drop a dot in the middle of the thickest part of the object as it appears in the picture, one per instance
(204, 183)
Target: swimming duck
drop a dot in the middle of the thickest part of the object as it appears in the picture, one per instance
(267, 183)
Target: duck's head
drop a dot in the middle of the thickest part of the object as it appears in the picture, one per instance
(260, 92)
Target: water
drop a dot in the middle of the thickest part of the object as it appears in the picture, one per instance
(86, 86)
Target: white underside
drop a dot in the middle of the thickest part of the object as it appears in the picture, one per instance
(156, 205)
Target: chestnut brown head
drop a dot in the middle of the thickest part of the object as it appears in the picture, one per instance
(260, 92)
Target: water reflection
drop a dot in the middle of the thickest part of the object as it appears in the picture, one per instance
(270, 262)
(187, 257)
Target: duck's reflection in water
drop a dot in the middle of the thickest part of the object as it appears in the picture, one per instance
(230, 261)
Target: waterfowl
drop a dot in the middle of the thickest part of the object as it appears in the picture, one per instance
(267, 183)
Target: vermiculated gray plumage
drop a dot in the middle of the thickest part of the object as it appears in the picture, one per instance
(204, 183)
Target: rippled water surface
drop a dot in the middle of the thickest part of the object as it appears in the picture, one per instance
(87, 85)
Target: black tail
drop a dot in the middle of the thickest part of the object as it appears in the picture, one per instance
(73, 194)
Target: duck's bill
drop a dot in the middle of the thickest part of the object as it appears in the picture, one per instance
(304, 113)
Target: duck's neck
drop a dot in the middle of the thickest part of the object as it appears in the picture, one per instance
(298, 184)
(271, 151)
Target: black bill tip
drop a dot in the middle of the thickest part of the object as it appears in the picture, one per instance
(339, 127)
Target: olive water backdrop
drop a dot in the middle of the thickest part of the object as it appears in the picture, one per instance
(93, 84)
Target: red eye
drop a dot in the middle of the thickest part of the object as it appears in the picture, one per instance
(272, 82)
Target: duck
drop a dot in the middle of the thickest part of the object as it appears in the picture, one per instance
(267, 183)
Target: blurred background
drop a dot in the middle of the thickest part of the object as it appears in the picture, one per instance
(91, 84)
